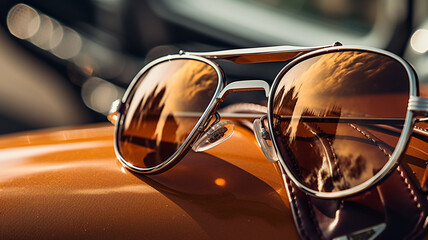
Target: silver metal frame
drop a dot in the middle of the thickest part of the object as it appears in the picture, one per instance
(417, 105)
(245, 85)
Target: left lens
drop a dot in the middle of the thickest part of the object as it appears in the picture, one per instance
(337, 117)
(162, 109)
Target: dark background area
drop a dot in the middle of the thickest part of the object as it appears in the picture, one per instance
(63, 62)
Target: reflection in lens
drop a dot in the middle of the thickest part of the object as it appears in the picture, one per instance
(338, 117)
(164, 107)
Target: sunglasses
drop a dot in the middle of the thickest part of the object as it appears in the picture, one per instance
(338, 118)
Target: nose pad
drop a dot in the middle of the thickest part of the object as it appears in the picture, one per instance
(215, 135)
(263, 137)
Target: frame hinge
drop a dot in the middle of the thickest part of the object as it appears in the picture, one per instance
(418, 105)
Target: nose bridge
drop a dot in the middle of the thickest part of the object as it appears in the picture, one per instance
(245, 85)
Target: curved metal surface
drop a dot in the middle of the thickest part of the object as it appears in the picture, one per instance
(68, 184)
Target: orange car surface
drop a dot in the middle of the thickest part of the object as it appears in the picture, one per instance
(62, 184)
(68, 184)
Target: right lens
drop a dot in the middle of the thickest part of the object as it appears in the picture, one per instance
(163, 108)
(338, 116)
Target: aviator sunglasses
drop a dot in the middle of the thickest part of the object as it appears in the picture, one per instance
(338, 117)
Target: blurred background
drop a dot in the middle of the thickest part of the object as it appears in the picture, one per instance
(63, 62)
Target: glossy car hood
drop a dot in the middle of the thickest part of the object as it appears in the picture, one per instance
(68, 184)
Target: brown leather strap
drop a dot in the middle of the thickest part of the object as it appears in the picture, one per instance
(397, 208)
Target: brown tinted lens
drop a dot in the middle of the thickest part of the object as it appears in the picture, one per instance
(338, 117)
(163, 108)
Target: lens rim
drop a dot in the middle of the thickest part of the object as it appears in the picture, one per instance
(185, 146)
(401, 144)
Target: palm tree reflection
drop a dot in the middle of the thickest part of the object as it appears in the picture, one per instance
(164, 109)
